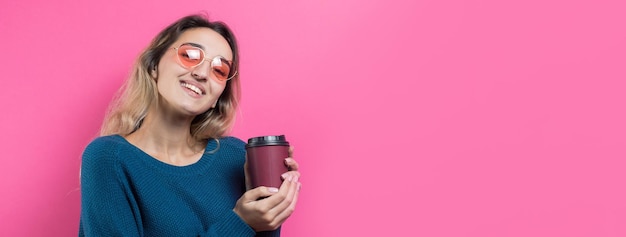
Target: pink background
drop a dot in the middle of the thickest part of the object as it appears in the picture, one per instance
(409, 118)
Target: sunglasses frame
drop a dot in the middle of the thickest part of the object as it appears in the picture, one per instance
(204, 58)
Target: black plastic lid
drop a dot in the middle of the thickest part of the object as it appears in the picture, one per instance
(267, 141)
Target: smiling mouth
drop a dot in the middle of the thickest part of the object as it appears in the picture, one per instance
(192, 88)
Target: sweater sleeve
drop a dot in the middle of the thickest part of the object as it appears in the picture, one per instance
(107, 207)
(231, 225)
(273, 233)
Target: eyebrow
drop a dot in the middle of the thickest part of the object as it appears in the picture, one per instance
(194, 45)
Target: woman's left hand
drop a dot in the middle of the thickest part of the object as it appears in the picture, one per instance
(276, 206)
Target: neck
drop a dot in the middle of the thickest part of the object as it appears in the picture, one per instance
(167, 137)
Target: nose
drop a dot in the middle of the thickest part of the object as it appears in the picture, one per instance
(201, 71)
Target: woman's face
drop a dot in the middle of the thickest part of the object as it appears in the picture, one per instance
(191, 90)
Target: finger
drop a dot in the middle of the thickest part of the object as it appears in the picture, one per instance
(277, 198)
(283, 210)
(259, 192)
(290, 173)
(292, 205)
(289, 191)
(291, 163)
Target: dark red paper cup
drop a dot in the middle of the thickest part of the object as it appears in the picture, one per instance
(266, 160)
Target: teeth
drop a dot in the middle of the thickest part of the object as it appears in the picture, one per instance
(193, 88)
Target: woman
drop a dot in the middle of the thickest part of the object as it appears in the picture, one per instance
(163, 166)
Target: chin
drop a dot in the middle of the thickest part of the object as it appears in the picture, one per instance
(198, 112)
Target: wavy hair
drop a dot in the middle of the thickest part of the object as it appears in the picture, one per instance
(139, 92)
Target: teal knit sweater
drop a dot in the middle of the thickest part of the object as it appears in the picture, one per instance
(126, 192)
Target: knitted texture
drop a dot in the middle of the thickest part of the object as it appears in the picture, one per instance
(126, 192)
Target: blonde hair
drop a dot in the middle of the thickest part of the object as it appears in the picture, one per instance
(130, 106)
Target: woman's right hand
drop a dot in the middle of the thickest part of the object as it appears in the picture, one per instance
(270, 212)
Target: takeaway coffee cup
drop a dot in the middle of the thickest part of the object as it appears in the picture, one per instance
(266, 160)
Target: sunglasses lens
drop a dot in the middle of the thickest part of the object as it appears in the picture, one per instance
(190, 56)
(220, 68)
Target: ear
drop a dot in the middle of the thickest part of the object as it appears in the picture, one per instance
(154, 73)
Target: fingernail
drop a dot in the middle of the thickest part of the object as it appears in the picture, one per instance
(272, 190)
(285, 175)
